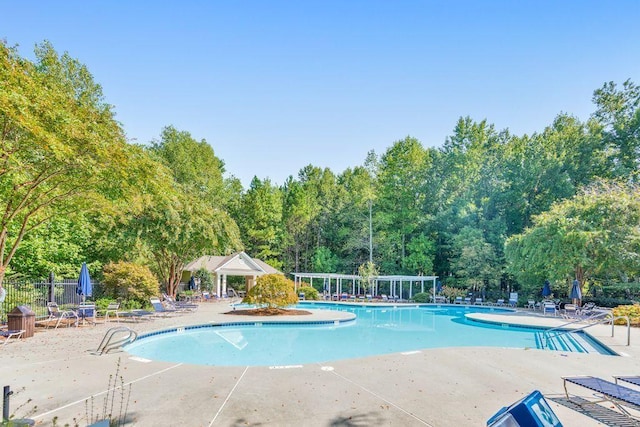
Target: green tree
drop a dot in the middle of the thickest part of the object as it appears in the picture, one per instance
(186, 220)
(592, 234)
(618, 112)
(61, 150)
(401, 197)
(260, 221)
(475, 263)
(324, 261)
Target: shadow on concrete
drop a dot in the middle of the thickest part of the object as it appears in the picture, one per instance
(361, 420)
(597, 412)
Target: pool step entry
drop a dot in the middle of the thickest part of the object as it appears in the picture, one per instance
(116, 338)
(565, 341)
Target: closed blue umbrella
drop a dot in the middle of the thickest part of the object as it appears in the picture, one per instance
(84, 282)
(438, 286)
(546, 289)
(192, 284)
(576, 293)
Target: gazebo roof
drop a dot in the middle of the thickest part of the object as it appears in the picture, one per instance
(237, 264)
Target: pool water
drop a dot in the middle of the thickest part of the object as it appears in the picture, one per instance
(376, 330)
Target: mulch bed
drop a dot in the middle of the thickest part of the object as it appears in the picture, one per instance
(269, 312)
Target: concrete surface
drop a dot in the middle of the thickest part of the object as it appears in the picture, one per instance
(57, 381)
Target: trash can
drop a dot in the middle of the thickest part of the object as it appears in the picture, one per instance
(23, 318)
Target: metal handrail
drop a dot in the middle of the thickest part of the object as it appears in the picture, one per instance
(608, 317)
(106, 345)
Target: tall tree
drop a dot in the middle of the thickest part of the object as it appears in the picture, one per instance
(401, 197)
(61, 151)
(618, 112)
(260, 221)
(594, 234)
(187, 221)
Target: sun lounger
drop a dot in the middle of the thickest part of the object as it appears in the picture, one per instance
(458, 300)
(635, 380)
(136, 315)
(56, 315)
(620, 396)
(112, 310)
(7, 334)
(549, 308)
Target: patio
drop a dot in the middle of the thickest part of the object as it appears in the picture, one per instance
(439, 387)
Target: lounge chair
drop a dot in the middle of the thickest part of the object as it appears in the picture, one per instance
(635, 380)
(500, 302)
(344, 296)
(570, 311)
(467, 300)
(369, 297)
(112, 310)
(301, 296)
(458, 300)
(57, 315)
(616, 394)
(479, 301)
(136, 315)
(531, 304)
(160, 309)
(171, 303)
(384, 298)
(7, 334)
(549, 307)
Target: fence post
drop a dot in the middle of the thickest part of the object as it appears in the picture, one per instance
(52, 287)
(5, 402)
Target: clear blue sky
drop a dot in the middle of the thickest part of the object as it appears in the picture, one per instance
(276, 85)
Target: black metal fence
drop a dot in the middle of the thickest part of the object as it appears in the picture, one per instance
(36, 295)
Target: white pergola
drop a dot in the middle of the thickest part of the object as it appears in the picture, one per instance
(340, 283)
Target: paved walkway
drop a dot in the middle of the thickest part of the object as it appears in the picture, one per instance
(434, 387)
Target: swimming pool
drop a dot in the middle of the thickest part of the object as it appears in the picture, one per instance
(376, 330)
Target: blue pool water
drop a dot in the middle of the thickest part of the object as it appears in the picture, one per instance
(377, 330)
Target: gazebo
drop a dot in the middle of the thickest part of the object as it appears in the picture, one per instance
(237, 264)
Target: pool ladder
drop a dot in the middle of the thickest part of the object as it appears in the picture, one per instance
(110, 342)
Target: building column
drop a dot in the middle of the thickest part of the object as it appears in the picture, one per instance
(224, 284)
(218, 294)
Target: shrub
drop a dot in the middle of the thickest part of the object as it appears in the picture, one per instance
(422, 297)
(451, 292)
(633, 311)
(272, 290)
(129, 281)
(309, 292)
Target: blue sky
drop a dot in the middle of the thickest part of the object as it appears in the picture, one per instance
(276, 85)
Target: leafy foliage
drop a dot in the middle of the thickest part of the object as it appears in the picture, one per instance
(272, 291)
(309, 292)
(129, 281)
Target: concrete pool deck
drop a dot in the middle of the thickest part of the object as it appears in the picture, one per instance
(432, 387)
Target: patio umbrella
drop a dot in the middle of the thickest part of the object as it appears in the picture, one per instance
(192, 284)
(84, 282)
(546, 289)
(576, 293)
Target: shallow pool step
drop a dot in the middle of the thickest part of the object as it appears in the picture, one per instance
(565, 341)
